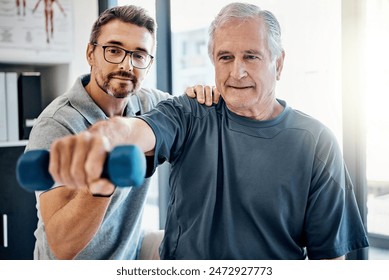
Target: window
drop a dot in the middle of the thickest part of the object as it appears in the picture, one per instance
(377, 120)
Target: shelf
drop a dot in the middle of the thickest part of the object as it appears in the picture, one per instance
(13, 143)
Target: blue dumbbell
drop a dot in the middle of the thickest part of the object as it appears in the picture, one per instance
(124, 166)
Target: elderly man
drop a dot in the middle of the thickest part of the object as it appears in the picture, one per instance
(251, 177)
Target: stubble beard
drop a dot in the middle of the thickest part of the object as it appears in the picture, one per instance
(123, 90)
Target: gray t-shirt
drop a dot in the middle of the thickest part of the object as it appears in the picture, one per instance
(71, 113)
(246, 189)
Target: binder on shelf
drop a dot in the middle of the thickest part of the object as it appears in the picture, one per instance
(3, 109)
(30, 104)
(11, 82)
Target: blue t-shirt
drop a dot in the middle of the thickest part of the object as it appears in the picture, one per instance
(247, 189)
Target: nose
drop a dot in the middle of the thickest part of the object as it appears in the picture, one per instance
(126, 64)
(238, 70)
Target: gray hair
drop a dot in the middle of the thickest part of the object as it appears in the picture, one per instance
(248, 11)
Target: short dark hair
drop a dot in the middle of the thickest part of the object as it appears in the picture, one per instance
(128, 13)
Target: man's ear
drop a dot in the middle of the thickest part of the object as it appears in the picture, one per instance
(280, 65)
(89, 53)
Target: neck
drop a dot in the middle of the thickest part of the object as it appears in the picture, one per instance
(263, 112)
(110, 105)
(275, 108)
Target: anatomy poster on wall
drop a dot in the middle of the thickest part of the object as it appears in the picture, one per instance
(36, 31)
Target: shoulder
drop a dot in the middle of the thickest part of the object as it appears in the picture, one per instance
(56, 106)
(63, 104)
(57, 120)
(187, 105)
(323, 139)
(325, 143)
(302, 121)
(151, 95)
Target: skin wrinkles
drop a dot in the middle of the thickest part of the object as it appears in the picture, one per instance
(246, 73)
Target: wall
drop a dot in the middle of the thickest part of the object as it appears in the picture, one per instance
(85, 13)
(62, 77)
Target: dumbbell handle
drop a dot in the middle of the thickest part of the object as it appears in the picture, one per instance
(125, 166)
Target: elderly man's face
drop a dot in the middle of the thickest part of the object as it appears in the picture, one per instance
(245, 73)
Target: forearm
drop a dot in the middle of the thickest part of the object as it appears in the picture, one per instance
(127, 131)
(78, 160)
(72, 226)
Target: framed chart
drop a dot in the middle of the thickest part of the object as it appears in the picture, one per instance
(36, 31)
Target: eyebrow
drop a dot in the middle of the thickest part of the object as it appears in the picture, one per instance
(120, 44)
(222, 53)
(251, 51)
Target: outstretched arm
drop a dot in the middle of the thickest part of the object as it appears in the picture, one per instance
(63, 209)
(78, 160)
(72, 214)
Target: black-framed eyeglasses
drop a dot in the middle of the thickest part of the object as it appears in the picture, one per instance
(116, 55)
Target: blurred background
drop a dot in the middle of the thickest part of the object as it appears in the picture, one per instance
(336, 69)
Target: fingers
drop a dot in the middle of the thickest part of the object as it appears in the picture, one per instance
(60, 160)
(215, 95)
(94, 162)
(204, 94)
(76, 172)
(207, 91)
(197, 92)
(77, 161)
(189, 91)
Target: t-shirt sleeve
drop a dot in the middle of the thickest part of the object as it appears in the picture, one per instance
(44, 132)
(169, 122)
(333, 224)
